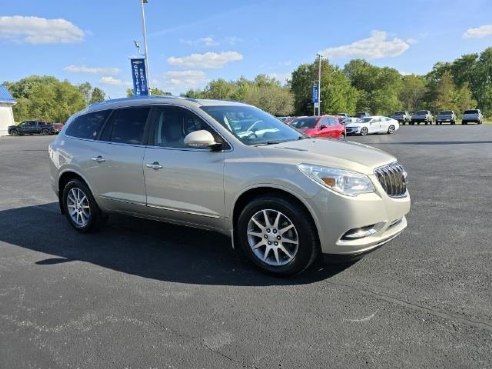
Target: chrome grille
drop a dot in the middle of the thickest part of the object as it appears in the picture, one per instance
(393, 178)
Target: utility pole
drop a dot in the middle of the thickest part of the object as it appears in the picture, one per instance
(319, 84)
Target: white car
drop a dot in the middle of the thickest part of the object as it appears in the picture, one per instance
(374, 124)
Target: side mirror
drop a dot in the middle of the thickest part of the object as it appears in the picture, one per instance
(323, 126)
(200, 139)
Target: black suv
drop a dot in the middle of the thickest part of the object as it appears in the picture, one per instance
(30, 127)
(446, 116)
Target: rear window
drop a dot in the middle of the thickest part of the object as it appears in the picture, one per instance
(421, 112)
(87, 126)
(474, 111)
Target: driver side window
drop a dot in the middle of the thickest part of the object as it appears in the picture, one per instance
(172, 125)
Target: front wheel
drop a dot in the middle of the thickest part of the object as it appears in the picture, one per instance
(44, 132)
(364, 131)
(463, 123)
(14, 132)
(277, 235)
(80, 207)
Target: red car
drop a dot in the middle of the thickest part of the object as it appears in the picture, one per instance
(323, 126)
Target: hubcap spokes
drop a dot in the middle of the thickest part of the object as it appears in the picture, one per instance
(273, 237)
(78, 207)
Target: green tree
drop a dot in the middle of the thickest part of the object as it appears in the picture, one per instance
(337, 95)
(413, 92)
(445, 97)
(464, 98)
(97, 95)
(86, 90)
(46, 98)
(378, 88)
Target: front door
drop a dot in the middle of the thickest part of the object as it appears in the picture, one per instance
(183, 184)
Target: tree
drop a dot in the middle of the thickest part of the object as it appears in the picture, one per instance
(445, 97)
(378, 88)
(86, 90)
(97, 95)
(337, 95)
(464, 98)
(45, 98)
(413, 92)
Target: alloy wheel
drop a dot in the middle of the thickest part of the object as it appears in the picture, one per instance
(78, 207)
(272, 237)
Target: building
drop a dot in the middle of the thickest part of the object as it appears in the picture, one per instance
(6, 113)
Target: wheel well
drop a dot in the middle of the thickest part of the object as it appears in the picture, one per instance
(62, 182)
(248, 196)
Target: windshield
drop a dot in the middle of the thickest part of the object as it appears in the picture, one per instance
(251, 125)
(471, 112)
(446, 112)
(303, 123)
(421, 112)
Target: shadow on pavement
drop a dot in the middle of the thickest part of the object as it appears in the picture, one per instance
(144, 248)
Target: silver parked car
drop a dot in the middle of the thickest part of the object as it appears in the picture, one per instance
(283, 198)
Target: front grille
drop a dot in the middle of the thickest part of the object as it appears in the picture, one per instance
(393, 178)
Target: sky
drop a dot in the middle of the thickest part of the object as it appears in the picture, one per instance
(191, 43)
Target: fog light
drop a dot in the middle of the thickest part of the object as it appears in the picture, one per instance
(362, 232)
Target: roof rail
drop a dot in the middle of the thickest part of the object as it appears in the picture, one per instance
(111, 101)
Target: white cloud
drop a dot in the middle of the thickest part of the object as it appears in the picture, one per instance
(208, 60)
(92, 70)
(35, 30)
(478, 32)
(185, 79)
(109, 80)
(204, 41)
(374, 47)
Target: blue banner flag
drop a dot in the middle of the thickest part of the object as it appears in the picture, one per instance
(139, 77)
(314, 93)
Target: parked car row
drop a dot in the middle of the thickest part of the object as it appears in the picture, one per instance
(30, 127)
(445, 116)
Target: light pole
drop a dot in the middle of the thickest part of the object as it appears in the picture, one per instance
(319, 84)
(146, 55)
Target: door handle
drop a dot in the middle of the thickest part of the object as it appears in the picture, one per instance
(99, 159)
(155, 165)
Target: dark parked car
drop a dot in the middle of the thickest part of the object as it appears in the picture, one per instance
(403, 117)
(473, 115)
(422, 116)
(446, 116)
(362, 114)
(30, 127)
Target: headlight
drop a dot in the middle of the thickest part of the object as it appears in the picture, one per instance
(342, 181)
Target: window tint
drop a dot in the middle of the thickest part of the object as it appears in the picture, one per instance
(87, 125)
(474, 111)
(172, 125)
(127, 126)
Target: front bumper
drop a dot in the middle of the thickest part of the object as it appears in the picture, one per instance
(339, 216)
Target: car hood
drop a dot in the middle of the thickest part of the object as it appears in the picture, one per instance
(338, 154)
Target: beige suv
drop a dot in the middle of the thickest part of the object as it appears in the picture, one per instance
(282, 197)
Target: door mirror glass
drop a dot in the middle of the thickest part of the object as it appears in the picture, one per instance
(323, 126)
(201, 139)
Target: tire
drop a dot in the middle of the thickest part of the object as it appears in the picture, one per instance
(364, 131)
(260, 226)
(480, 122)
(463, 122)
(45, 132)
(453, 122)
(14, 132)
(391, 129)
(80, 208)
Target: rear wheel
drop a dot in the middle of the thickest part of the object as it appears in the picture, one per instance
(277, 235)
(391, 129)
(44, 132)
(14, 132)
(80, 207)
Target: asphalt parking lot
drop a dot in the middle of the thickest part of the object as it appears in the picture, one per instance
(141, 294)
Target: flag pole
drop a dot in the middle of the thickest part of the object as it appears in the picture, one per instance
(146, 55)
